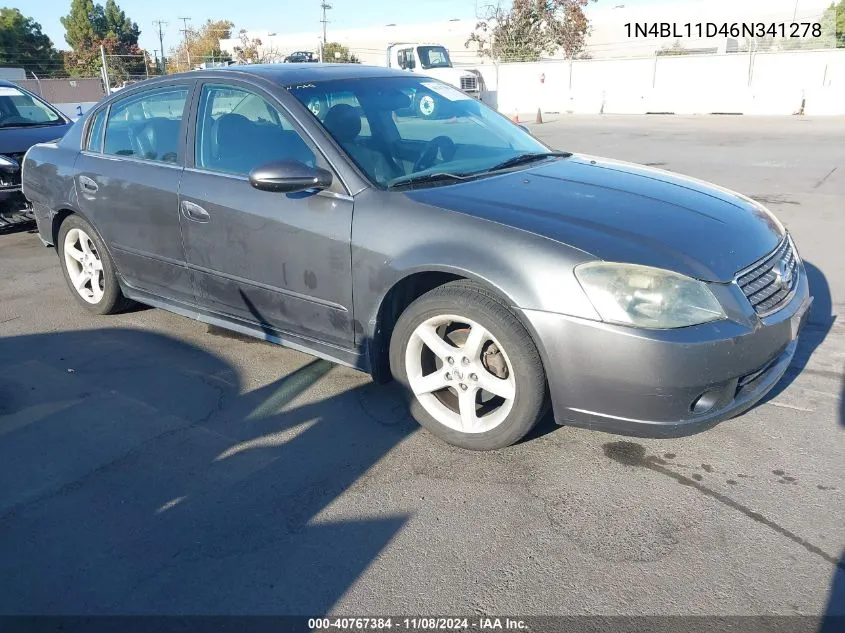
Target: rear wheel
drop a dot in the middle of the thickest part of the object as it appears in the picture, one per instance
(472, 373)
(88, 268)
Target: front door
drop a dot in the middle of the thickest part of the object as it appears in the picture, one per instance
(127, 179)
(277, 261)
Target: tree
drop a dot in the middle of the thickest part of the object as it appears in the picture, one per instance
(89, 26)
(23, 45)
(676, 49)
(832, 23)
(254, 51)
(117, 25)
(531, 28)
(85, 25)
(201, 45)
(337, 52)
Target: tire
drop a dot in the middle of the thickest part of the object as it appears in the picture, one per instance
(446, 393)
(427, 106)
(89, 263)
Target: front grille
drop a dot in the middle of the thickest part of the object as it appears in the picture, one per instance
(769, 283)
(470, 84)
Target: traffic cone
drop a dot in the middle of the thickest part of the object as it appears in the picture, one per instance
(515, 117)
(539, 118)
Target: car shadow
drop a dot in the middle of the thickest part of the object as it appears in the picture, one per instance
(142, 475)
(815, 330)
(834, 616)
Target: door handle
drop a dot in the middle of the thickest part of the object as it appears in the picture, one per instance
(88, 185)
(194, 212)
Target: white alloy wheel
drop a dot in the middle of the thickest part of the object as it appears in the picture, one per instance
(460, 374)
(84, 266)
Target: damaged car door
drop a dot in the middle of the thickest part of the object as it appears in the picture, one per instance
(275, 260)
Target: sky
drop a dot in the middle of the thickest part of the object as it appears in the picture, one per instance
(281, 16)
(296, 16)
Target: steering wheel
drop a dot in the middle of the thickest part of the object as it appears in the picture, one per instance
(442, 145)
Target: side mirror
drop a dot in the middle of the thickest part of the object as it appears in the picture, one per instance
(289, 176)
(525, 128)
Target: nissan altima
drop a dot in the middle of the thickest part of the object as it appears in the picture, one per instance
(492, 276)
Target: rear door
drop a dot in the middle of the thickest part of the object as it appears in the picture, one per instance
(280, 262)
(127, 178)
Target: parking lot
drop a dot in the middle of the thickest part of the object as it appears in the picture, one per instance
(151, 464)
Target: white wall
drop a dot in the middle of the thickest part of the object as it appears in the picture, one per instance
(75, 110)
(763, 83)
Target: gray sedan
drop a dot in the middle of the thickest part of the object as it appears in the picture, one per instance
(313, 207)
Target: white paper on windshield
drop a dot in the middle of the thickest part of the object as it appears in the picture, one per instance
(447, 92)
(7, 91)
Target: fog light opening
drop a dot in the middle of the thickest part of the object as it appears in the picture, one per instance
(704, 402)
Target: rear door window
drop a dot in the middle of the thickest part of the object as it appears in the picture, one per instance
(147, 125)
(95, 133)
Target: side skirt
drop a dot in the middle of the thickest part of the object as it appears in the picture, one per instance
(356, 359)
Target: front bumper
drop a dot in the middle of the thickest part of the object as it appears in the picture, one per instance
(647, 382)
(14, 208)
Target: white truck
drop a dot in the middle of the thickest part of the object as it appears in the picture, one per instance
(433, 60)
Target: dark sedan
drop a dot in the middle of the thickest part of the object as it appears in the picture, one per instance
(488, 274)
(25, 120)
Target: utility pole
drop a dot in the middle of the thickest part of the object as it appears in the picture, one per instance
(185, 33)
(161, 23)
(325, 6)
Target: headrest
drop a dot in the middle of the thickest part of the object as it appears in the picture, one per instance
(343, 122)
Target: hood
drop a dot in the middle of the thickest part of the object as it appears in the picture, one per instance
(19, 139)
(618, 211)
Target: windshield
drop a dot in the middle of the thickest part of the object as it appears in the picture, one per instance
(401, 129)
(434, 57)
(18, 109)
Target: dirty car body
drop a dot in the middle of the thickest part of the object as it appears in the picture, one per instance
(659, 304)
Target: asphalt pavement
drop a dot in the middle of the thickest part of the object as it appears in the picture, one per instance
(150, 464)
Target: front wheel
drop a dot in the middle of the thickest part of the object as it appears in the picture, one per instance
(472, 373)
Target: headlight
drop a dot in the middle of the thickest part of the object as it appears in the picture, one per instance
(642, 296)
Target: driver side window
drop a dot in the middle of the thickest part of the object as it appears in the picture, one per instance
(238, 130)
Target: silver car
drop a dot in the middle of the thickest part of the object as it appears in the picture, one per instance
(490, 275)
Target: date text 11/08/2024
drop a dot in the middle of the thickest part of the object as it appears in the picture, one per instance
(712, 29)
(417, 624)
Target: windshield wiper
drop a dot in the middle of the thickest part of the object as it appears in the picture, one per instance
(30, 124)
(439, 176)
(522, 159)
